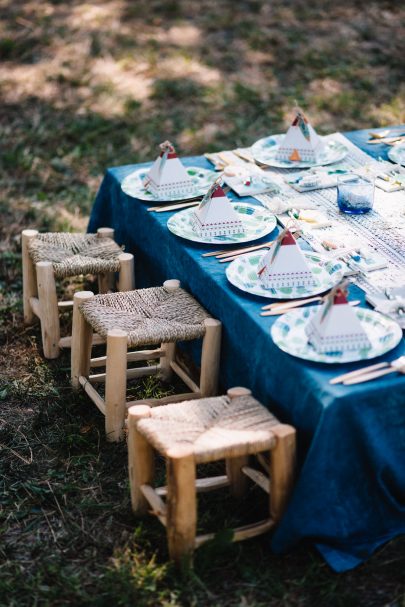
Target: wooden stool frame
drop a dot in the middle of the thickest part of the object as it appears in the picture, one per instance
(40, 297)
(114, 406)
(179, 513)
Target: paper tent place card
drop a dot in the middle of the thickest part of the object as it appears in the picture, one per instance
(168, 177)
(215, 215)
(284, 265)
(336, 327)
(300, 143)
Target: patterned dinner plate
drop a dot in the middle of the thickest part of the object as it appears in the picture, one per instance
(288, 333)
(257, 222)
(397, 154)
(133, 184)
(265, 151)
(242, 273)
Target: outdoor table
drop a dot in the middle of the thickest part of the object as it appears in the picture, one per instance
(349, 496)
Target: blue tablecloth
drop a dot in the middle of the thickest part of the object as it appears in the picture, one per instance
(349, 497)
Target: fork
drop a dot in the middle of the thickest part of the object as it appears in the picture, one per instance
(370, 372)
(174, 207)
(228, 258)
(298, 304)
(236, 252)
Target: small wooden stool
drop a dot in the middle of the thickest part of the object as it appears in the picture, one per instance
(231, 427)
(158, 315)
(46, 257)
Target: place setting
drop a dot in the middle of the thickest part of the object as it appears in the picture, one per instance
(285, 271)
(335, 331)
(218, 220)
(168, 180)
(301, 147)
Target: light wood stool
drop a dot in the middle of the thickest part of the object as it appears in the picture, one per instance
(231, 427)
(143, 317)
(48, 256)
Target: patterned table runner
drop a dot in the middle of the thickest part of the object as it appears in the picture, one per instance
(382, 229)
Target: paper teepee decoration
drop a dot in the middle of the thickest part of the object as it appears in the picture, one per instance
(301, 143)
(284, 265)
(215, 216)
(168, 177)
(336, 327)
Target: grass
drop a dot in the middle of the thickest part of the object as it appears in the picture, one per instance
(88, 85)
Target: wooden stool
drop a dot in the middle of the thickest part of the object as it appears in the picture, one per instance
(231, 427)
(159, 315)
(48, 256)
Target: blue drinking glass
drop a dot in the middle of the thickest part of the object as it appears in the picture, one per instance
(355, 196)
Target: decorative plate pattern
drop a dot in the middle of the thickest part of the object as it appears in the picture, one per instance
(133, 184)
(265, 151)
(257, 221)
(397, 154)
(242, 273)
(288, 333)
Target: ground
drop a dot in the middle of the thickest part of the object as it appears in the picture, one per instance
(86, 85)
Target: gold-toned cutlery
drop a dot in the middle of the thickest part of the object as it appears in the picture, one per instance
(387, 140)
(238, 251)
(178, 205)
(298, 304)
(380, 135)
(370, 372)
(353, 374)
(386, 132)
(292, 304)
(233, 257)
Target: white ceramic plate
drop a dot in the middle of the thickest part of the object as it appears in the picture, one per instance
(242, 273)
(397, 154)
(133, 184)
(265, 151)
(288, 333)
(257, 222)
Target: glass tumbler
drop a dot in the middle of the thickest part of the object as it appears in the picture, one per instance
(355, 195)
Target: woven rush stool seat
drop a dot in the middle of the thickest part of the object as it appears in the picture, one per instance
(233, 427)
(157, 316)
(213, 428)
(74, 254)
(149, 316)
(58, 255)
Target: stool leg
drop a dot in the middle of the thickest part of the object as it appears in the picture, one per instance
(169, 348)
(29, 277)
(282, 464)
(105, 233)
(211, 349)
(106, 281)
(140, 459)
(126, 280)
(48, 305)
(181, 504)
(166, 371)
(116, 384)
(238, 481)
(82, 334)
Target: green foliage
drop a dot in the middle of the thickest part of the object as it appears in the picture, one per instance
(179, 89)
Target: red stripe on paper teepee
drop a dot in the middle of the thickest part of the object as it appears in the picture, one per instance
(288, 239)
(340, 298)
(218, 192)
